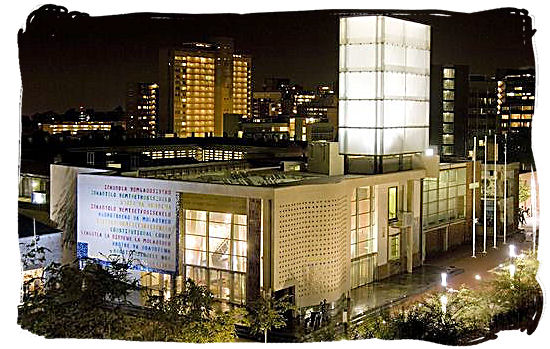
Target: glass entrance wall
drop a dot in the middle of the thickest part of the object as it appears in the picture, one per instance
(363, 237)
(444, 198)
(215, 252)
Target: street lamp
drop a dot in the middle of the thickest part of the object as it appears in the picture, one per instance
(512, 251)
(512, 269)
(443, 300)
(477, 277)
(444, 280)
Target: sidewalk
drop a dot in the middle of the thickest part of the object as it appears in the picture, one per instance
(458, 263)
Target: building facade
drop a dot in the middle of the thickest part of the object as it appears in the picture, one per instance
(383, 91)
(449, 110)
(142, 110)
(202, 82)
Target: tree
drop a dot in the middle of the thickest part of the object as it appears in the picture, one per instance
(188, 317)
(524, 192)
(75, 302)
(267, 312)
(465, 317)
(518, 295)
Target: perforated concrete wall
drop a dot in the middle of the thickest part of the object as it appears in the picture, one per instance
(312, 242)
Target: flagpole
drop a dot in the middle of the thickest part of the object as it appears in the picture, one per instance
(485, 195)
(505, 186)
(474, 202)
(495, 194)
(534, 209)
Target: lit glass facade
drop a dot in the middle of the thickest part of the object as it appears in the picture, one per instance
(384, 86)
(444, 198)
(363, 237)
(215, 252)
(448, 113)
(76, 127)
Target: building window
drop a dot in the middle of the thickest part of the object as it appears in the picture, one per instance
(155, 284)
(448, 128)
(448, 73)
(215, 252)
(395, 247)
(448, 117)
(363, 237)
(444, 198)
(90, 158)
(392, 203)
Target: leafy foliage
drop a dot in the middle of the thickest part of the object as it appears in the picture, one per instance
(267, 313)
(524, 191)
(188, 317)
(78, 303)
(468, 315)
(92, 303)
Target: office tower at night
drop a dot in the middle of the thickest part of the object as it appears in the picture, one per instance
(449, 109)
(516, 99)
(482, 108)
(266, 104)
(142, 109)
(384, 92)
(203, 81)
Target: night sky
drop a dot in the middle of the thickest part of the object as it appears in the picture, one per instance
(67, 61)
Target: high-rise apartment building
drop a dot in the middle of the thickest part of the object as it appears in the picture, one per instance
(142, 109)
(203, 82)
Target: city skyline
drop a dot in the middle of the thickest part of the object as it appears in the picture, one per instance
(91, 59)
(359, 197)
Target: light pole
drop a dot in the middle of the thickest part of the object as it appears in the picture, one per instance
(443, 299)
(534, 209)
(485, 195)
(505, 186)
(474, 220)
(495, 154)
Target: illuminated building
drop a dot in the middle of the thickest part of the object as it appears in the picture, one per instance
(76, 127)
(142, 109)
(515, 99)
(383, 92)
(449, 109)
(266, 104)
(317, 235)
(314, 235)
(203, 82)
(447, 208)
(482, 110)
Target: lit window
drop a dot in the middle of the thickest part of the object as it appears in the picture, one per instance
(392, 203)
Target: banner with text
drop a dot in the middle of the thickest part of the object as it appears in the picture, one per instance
(132, 217)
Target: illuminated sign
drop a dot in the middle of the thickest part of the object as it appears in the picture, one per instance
(131, 217)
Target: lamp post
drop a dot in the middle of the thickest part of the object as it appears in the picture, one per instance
(512, 251)
(474, 220)
(444, 280)
(485, 195)
(495, 154)
(505, 186)
(443, 299)
(534, 209)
